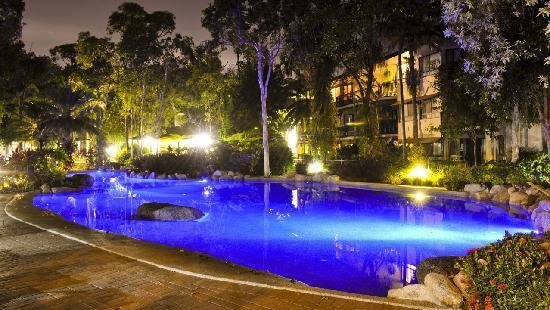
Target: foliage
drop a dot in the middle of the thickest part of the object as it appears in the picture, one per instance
(536, 168)
(280, 157)
(193, 163)
(43, 166)
(15, 184)
(509, 274)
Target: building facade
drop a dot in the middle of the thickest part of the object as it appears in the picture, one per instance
(345, 92)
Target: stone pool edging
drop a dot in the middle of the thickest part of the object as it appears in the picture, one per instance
(181, 261)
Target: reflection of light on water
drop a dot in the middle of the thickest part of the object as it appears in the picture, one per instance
(295, 198)
(207, 191)
(419, 197)
(203, 181)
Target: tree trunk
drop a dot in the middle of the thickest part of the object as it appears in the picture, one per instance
(515, 134)
(413, 89)
(131, 135)
(126, 133)
(474, 140)
(402, 99)
(544, 117)
(143, 91)
(265, 137)
(162, 99)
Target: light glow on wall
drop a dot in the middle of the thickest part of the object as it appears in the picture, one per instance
(292, 139)
(201, 140)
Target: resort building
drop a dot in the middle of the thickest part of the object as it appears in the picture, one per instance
(345, 92)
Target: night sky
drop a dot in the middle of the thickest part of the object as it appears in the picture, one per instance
(53, 22)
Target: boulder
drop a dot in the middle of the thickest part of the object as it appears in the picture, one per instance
(518, 212)
(180, 176)
(300, 178)
(290, 175)
(461, 281)
(474, 207)
(152, 175)
(531, 191)
(80, 179)
(483, 195)
(417, 292)
(443, 289)
(132, 174)
(45, 189)
(238, 177)
(541, 216)
(161, 176)
(226, 178)
(519, 198)
(167, 212)
(230, 173)
(442, 264)
(247, 177)
(497, 188)
(334, 179)
(316, 177)
(57, 190)
(511, 190)
(502, 195)
(217, 173)
(473, 188)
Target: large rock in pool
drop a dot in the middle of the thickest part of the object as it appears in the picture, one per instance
(81, 179)
(442, 264)
(167, 212)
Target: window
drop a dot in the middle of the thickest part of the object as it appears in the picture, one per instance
(430, 62)
(437, 149)
(348, 91)
(426, 108)
(453, 55)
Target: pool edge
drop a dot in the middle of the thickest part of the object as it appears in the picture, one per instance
(197, 265)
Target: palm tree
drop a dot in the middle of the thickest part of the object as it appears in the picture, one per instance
(68, 115)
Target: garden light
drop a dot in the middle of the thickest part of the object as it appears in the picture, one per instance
(151, 143)
(292, 139)
(419, 172)
(201, 140)
(315, 167)
(111, 151)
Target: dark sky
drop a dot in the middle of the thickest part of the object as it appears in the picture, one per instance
(52, 22)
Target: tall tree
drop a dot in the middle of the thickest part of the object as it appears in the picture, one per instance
(255, 24)
(142, 38)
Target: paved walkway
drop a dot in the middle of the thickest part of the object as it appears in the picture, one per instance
(41, 270)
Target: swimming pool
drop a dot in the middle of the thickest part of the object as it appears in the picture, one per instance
(346, 239)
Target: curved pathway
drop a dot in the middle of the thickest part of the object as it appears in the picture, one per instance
(41, 269)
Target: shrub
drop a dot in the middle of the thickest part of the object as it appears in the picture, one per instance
(43, 166)
(455, 177)
(509, 274)
(280, 157)
(250, 142)
(193, 163)
(536, 168)
(15, 184)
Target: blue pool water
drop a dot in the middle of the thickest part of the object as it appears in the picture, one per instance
(346, 239)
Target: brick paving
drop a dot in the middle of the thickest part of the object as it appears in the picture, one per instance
(41, 270)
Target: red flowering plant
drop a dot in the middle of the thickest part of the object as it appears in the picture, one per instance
(509, 274)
